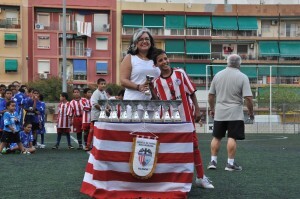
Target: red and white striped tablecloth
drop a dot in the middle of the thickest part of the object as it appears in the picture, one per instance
(108, 174)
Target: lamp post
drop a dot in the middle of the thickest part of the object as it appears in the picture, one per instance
(64, 61)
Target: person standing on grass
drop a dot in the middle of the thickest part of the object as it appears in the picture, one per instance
(75, 112)
(11, 121)
(26, 138)
(98, 94)
(86, 115)
(228, 89)
(42, 120)
(63, 121)
(174, 84)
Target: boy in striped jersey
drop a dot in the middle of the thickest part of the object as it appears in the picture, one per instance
(174, 84)
(86, 116)
(63, 120)
(75, 112)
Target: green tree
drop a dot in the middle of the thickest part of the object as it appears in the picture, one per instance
(50, 88)
(282, 96)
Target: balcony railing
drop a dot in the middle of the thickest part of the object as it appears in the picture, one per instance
(224, 33)
(198, 32)
(10, 23)
(78, 52)
(248, 33)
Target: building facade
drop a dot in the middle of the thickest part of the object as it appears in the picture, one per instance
(199, 37)
(12, 56)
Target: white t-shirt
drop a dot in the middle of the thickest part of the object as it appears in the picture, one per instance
(230, 87)
(97, 95)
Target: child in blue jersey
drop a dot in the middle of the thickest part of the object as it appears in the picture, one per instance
(41, 118)
(26, 138)
(11, 127)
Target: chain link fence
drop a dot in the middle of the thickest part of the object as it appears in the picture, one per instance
(284, 118)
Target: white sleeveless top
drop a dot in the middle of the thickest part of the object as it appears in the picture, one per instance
(140, 68)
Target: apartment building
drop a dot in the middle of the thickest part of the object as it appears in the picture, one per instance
(196, 36)
(12, 57)
(90, 35)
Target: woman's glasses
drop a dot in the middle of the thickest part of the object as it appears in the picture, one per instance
(147, 39)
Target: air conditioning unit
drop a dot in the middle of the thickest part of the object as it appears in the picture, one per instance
(274, 22)
(43, 75)
(106, 26)
(39, 26)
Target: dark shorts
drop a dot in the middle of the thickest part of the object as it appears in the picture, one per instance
(10, 137)
(235, 129)
(35, 126)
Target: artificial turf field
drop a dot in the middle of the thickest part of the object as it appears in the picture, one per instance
(271, 169)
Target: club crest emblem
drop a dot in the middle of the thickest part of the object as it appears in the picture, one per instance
(145, 156)
(178, 82)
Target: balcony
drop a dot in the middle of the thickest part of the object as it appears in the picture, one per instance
(76, 52)
(224, 33)
(70, 26)
(198, 32)
(10, 23)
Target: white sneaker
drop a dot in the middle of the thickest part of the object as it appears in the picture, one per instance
(42, 146)
(204, 183)
(38, 144)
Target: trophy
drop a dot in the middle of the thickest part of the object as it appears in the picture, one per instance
(166, 107)
(175, 112)
(149, 79)
(145, 117)
(156, 106)
(134, 111)
(124, 115)
(102, 116)
(113, 116)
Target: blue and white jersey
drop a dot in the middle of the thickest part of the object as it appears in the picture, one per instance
(3, 107)
(11, 119)
(40, 106)
(26, 138)
(19, 98)
(42, 118)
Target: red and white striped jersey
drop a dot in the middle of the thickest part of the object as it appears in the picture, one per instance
(75, 108)
(86, 107)
(176, 87)
(63, 120)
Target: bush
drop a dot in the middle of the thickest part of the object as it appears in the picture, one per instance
(50, 88)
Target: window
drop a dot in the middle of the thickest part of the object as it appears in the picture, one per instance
(79, 48)
(12, 17)
(101, 67)
(101, 23)
(11, 65)
(43, 41)
(242, 48)
(43, 19)
(265, 26)
(10, 40)
(67, 22)
(102, 43)
(43, 66)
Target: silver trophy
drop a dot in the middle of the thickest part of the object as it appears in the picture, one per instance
(102, 115)
(166, 114)
(124, 115)
(175, 112)
(134, 111)
(113, 116)
(149, 79)
(145, 105)
(156, 104)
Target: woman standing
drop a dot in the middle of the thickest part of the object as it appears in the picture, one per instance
(135, 66)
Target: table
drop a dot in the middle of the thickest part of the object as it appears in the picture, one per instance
(108, 174)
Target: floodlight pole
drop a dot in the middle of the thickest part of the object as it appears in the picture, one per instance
(64, 61)
(270, 124)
